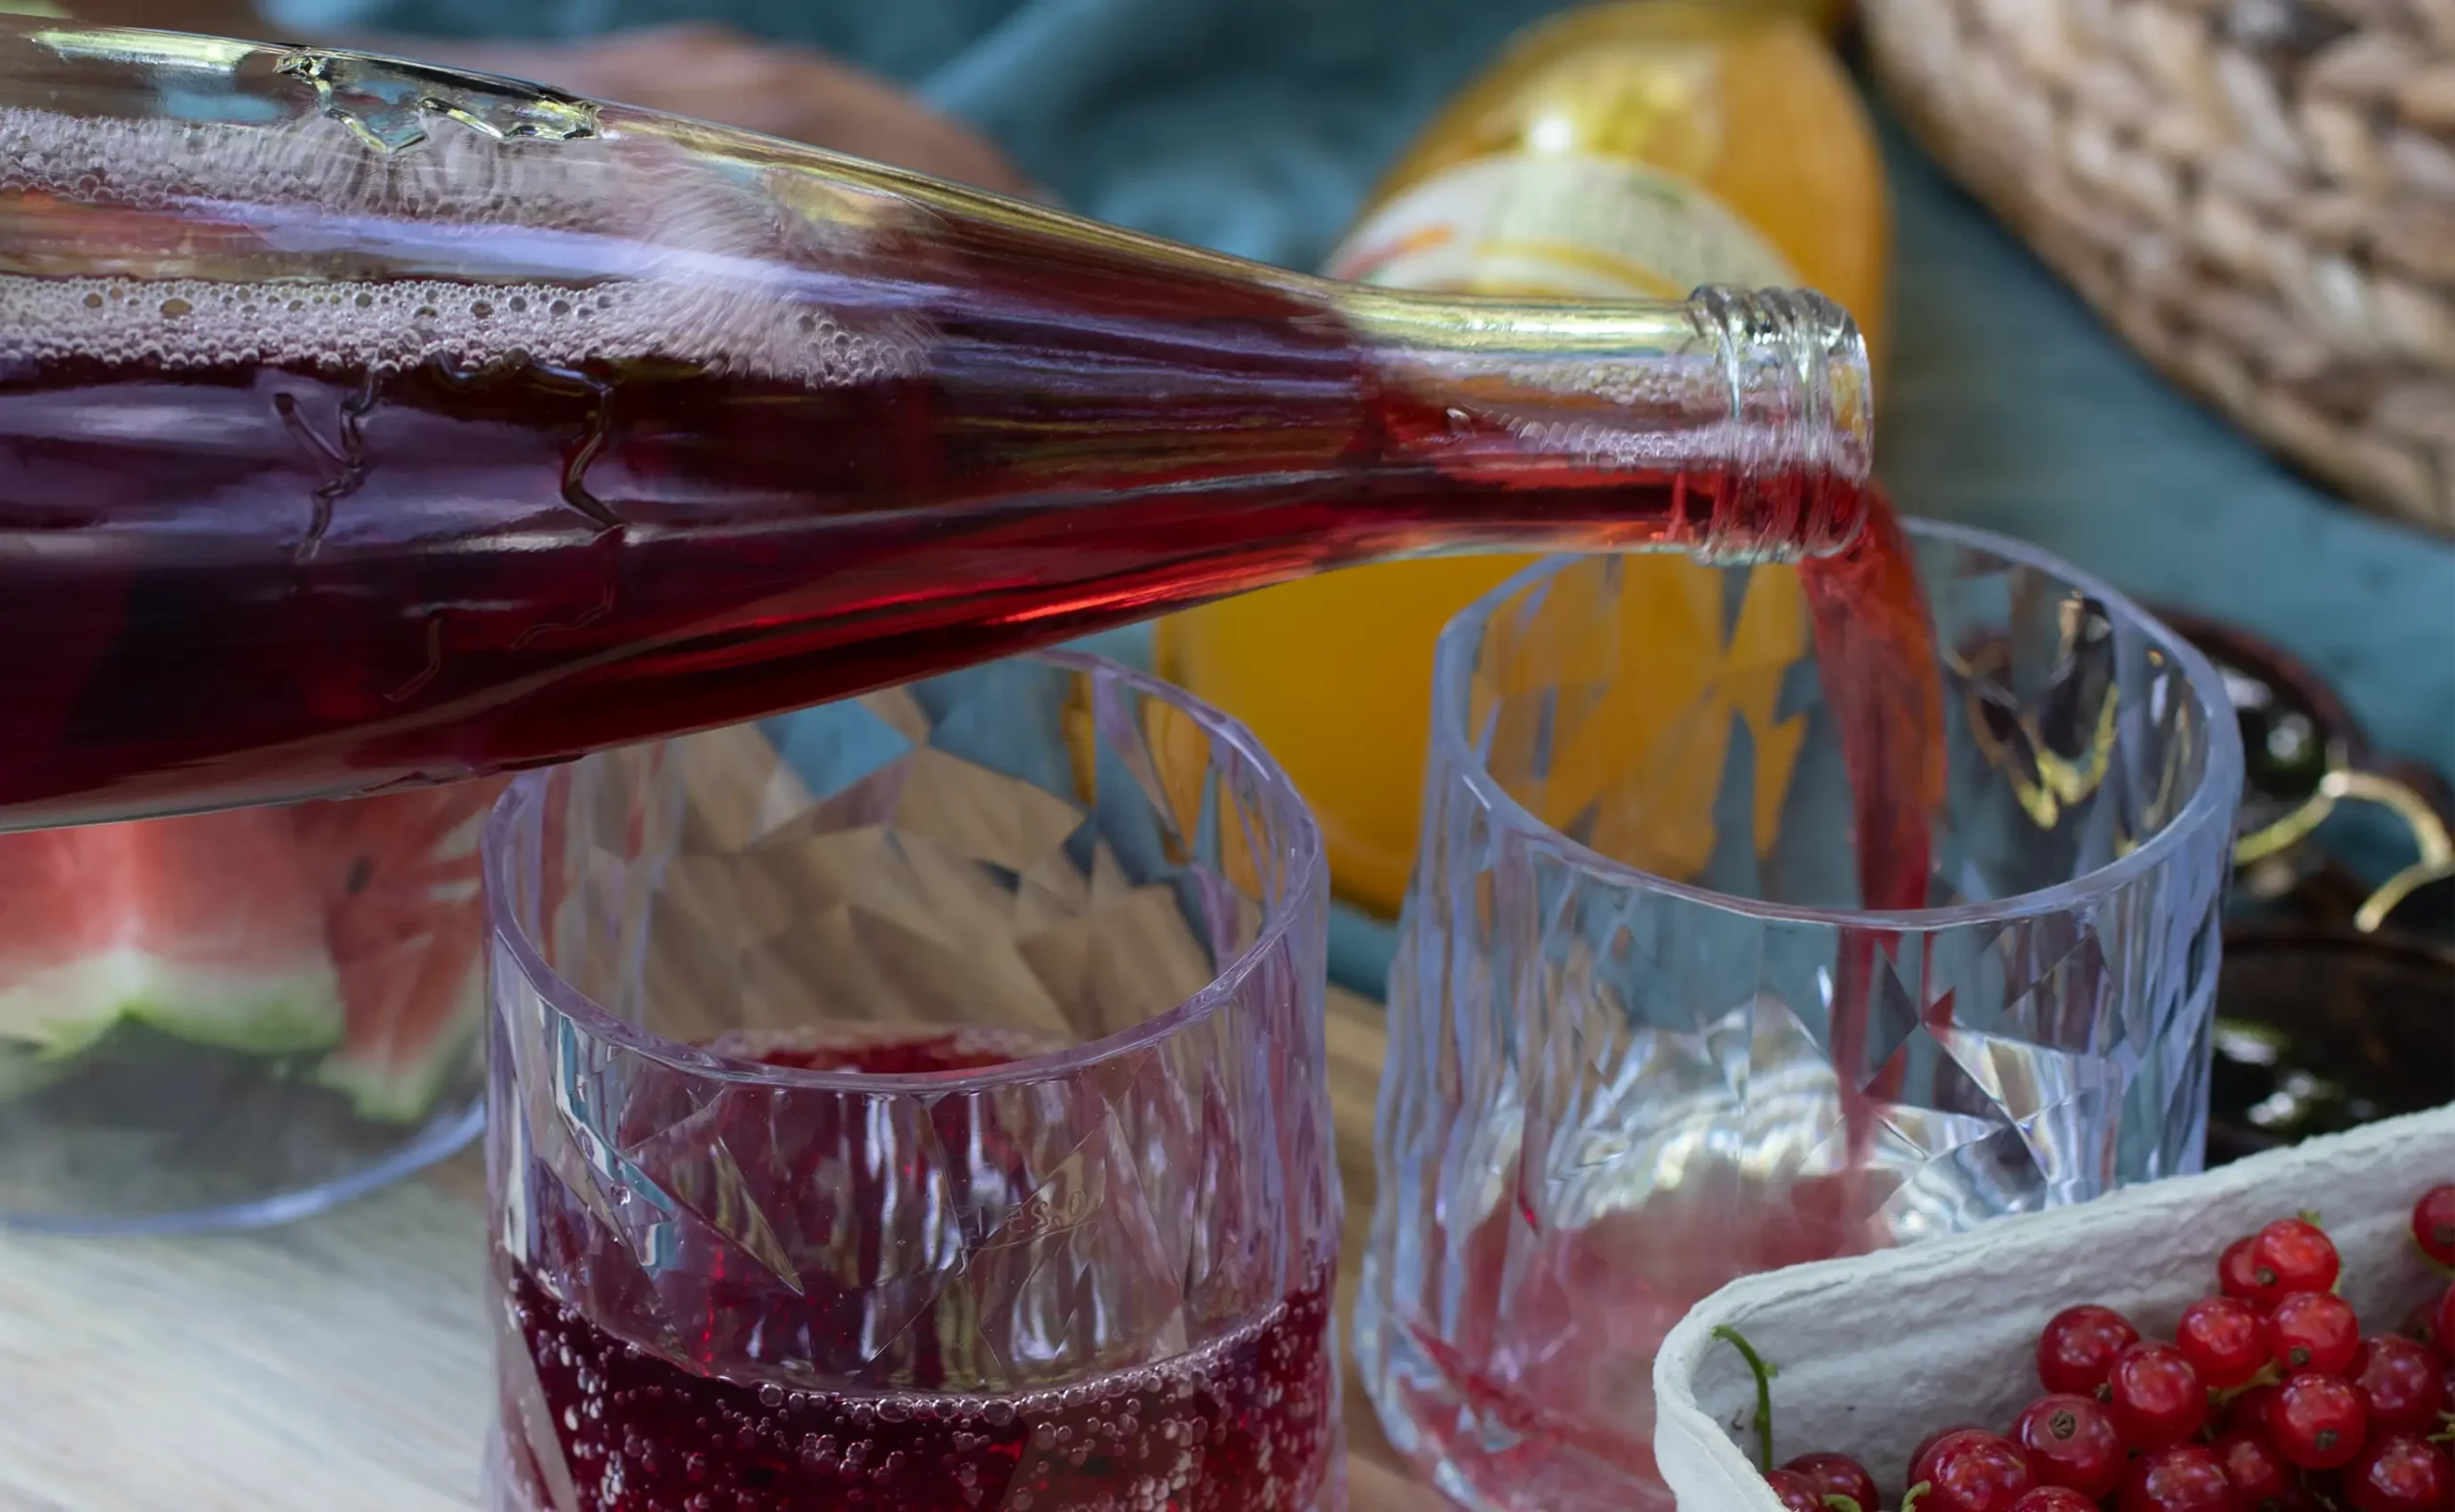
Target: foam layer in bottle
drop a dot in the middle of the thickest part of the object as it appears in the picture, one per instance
(293, 243)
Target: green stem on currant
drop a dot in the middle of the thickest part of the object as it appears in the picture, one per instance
(2267, 1375)
(1838, 1503)
(1763, 1372)
(1909, 1497)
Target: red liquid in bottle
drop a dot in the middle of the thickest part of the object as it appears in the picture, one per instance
(244, 556)
(1243, 1422)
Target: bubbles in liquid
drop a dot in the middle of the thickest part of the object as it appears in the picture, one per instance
(1254, 1435)
(658, 252)
(190, 324)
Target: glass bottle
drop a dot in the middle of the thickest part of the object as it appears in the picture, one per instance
(366, 423)
(1622, 151)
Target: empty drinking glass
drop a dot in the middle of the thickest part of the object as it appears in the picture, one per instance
(1611, 1091)
(916, 1103)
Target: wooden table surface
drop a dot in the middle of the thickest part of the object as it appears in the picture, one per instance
(343, 1364)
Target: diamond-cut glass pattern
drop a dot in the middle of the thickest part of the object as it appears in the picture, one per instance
(1606, 1098)
(1036, 858)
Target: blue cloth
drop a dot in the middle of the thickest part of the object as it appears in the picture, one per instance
(1255, 126)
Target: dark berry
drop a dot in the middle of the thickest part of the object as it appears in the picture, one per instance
(1971, 1471)
(2078, 1346)
(2442, 1323)
(2223, 1339)
(2313, 1331)
(2294, 1256)
(2155, 1396)
(1792, 1491)
(1918, 1466)
(2071, 1441)
(1838, 1475)
(2247, 1412)
(2402, 1384)
(2317, 1422)
(2400, 1472)
(2422, 1328)
(2434, 1223)
(2237, 1276)
(2262, 1481)
(2179, 1478)
(2052, 1498)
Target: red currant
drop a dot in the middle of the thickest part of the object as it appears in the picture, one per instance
(2179, 1478)
(2442, 1323)
(2262, 1481)
(2422, 1328)
(2222, 1338)
(2155, 1396)
(2434, 1223)
(2400, 1472)
(1792, 1491)
(2078, 1346)
(2317, 1422)
(2247, 1413)
(2294, 1256)
(1838, 1475)
(2402, 1384)
(2237, 1275)
(2071, 1441)
(2314, 1331)
(2052, 1498)
(1918, 1466)
(1971, 1471)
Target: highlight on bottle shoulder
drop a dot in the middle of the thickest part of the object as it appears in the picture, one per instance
(367, 422)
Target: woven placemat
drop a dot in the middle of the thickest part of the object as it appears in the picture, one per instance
(2259, 195)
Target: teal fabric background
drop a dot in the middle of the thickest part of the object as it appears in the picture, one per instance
(1256, 126)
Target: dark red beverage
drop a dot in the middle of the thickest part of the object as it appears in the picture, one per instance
(1243, 1426)
(1243, 1422)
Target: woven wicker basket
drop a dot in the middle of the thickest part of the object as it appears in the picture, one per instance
(2259, 195)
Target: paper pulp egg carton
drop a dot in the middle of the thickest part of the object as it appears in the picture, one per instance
(1876, 1351)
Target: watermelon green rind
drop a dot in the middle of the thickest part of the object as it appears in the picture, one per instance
(395, 1090)
(390, 1083)
(63, 1012)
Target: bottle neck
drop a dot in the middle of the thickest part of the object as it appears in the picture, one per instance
(1758, 402)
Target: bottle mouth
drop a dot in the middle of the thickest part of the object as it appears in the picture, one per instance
(1799, 438)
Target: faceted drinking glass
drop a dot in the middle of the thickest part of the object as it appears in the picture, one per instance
(1609, 1092)
(914, 1103)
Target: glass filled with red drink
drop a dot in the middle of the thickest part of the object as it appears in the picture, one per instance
(917, 1102)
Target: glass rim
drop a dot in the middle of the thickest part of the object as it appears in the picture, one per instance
(1463, 635)
(1309, 881)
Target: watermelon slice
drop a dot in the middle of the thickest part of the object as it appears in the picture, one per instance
(209, 927)
(406, 928)
(351, 931)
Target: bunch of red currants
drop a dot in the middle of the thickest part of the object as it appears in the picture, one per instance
(2267, 1398)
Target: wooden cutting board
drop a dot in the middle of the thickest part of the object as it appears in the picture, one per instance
(342, 1364)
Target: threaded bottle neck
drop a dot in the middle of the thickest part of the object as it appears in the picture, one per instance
(1800, 421)
(1757, 404)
